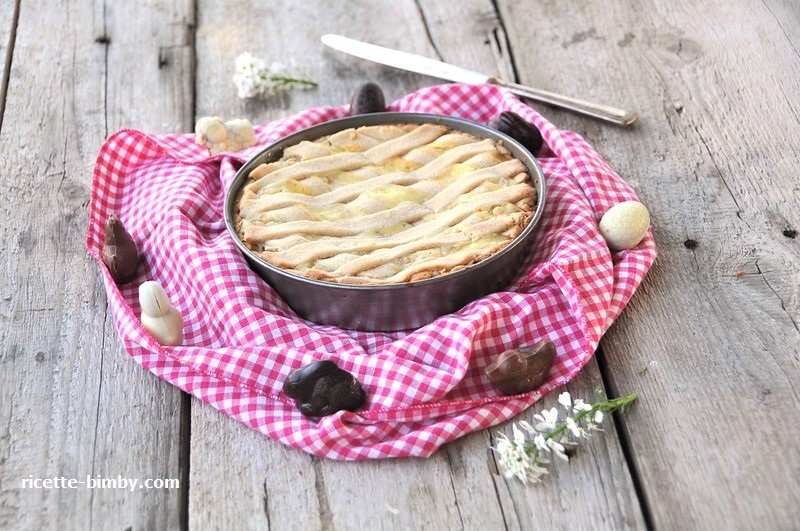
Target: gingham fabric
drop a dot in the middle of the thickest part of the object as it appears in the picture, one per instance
(426, 386)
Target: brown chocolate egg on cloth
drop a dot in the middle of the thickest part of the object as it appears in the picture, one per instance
(120, 253)
(367, 98)
(518, 128)
(523, 369)
(322, 388)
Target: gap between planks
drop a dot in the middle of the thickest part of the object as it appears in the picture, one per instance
(12, 38)
(621, 428)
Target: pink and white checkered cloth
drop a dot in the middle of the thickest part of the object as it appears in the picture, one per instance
(425, 387)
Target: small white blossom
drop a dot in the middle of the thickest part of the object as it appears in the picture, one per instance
(541, 443)
(523, 455)
(519, 437)
(514, 458)
(525, 425)
(574, 427)
(535, 473)
(565, 400)
(254, 78)
(557, 448)
(580, 405)
(247, 76)
(547, 419)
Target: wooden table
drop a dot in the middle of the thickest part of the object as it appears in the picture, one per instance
(710, 342)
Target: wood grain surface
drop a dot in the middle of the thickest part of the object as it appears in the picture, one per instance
(710, 342)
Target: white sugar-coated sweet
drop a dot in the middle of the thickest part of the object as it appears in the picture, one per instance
(153, 299)
(219, 136)
(159, 316)
(625, 225)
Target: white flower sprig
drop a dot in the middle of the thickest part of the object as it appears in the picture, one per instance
(253, 78)
(523, 455)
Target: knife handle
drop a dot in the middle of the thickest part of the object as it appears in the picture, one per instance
(595, 110)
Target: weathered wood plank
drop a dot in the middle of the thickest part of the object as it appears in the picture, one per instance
(156, 43)
(139, 407)
(292, 489)
(263, 483)
(610, 497)
(711, 340)
(267, 484)
(73, 405)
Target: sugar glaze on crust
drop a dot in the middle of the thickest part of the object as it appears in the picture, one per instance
(385, 204)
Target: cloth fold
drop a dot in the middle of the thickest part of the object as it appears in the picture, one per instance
(426, 386)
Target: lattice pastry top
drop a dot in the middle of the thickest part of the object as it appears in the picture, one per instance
(385, 204)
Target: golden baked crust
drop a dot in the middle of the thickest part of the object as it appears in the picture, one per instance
(385, 204)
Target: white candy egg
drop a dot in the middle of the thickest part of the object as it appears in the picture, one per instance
(167, 329)
(625, 225)
(153, 299)
(159, 316)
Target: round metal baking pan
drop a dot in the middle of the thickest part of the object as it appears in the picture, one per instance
(392, 306)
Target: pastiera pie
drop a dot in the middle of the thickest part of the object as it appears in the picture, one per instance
(385, 204)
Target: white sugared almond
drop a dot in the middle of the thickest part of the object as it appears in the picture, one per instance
(219, 136)
(625, 225)
(159, 316)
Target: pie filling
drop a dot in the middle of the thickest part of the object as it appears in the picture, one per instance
(385, 204)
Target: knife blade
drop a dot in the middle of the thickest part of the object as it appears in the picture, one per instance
(438, 69)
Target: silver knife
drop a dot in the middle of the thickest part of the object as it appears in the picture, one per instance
(438, 69)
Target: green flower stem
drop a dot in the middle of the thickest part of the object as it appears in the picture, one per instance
(287, 80)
